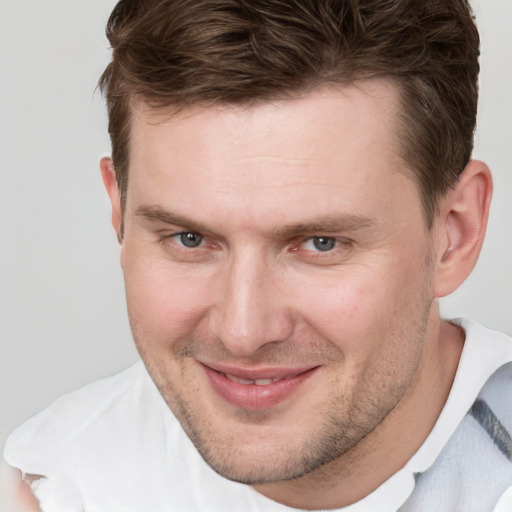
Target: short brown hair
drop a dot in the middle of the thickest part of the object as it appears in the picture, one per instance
(178, 53)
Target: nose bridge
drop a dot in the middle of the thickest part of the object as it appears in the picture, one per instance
(251, 312)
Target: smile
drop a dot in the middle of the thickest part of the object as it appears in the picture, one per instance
(255, 389)
(257, 382)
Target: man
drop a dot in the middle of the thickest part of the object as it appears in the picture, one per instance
(292, 189)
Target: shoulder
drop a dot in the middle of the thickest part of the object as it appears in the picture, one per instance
(77, 415)
(492, 409)
(487, 426)
(115, 445)
(474, 467)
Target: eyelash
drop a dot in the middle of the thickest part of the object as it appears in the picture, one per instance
(175, 236)
(340, 244)
(341, 247)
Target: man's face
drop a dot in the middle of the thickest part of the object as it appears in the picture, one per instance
(278, 275)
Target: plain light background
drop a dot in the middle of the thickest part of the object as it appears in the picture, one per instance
(62, 314)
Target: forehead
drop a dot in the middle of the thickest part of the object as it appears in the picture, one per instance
(369, 105)
(331, 144)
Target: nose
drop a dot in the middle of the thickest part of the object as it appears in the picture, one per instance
(251, 309)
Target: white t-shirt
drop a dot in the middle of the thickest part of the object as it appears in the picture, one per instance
(114, 446)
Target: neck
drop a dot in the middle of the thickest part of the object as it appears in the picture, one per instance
(391, 444)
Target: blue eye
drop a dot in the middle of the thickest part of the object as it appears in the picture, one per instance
(191, 239)
(323, 243)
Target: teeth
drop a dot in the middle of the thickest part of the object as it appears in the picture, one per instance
(263, 382)
(257, 382)
(236, 379)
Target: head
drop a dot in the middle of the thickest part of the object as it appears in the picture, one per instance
(285, 173)
(179, 53)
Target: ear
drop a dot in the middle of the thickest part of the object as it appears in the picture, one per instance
(461, 227)
(109, 180)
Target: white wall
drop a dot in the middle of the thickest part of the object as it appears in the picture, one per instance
(487, 295)
(62, 315)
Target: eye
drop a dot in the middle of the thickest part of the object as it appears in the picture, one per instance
(320, 243)
(190, 239)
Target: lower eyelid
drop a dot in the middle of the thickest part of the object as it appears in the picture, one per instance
(338, 241)
(341, 250)
(205, 245)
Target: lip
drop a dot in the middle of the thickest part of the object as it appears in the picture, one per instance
(285, 381)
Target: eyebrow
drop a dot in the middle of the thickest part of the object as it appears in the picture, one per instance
(159, 214)
(330, 224)
(325, 225)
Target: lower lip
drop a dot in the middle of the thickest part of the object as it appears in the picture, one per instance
(252, 396)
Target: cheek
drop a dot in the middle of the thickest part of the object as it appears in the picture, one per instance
(343, 298)
(162, 304)
(356, 310)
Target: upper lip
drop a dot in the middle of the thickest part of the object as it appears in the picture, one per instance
(274, 373)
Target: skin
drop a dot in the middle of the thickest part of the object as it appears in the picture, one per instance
(258, 186)
(15, 493)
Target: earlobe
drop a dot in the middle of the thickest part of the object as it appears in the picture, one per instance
(461, 227)
(109, 180)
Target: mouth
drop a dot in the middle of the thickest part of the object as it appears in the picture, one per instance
(256, 389)
(258, 382)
